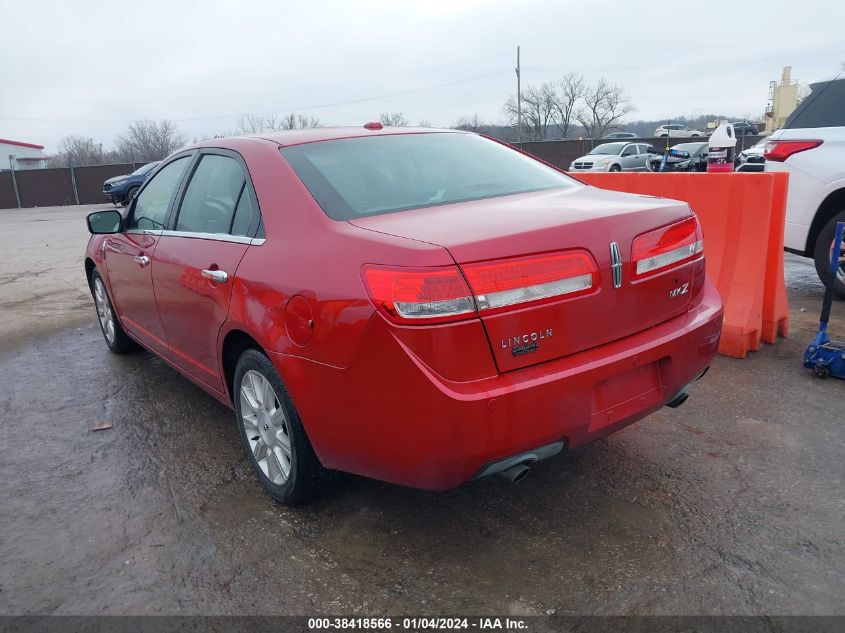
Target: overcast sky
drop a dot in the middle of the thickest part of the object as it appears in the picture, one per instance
(88, 68)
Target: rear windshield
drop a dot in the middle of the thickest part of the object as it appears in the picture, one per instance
(146, 168)
(824, 107)
(351, 178)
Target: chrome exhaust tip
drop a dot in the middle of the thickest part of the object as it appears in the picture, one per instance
(515, 467)
(678, 400)
(516, 472)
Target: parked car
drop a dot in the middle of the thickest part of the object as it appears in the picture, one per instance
(619, 136)
(752, 159)
(423, 307)
(613, 157)
(695, 159)
(744, 128)
(811, 149)
(675, 129)
(121, 189)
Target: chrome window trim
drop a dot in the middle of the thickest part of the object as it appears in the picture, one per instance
(216, 237)
(143, 232)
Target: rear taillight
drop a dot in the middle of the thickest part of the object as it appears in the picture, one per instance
(666, 247)
(521, 280)
(779, 151)
(411, 295)
(441, 294)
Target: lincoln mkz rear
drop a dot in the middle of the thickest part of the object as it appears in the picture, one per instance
(422, 307)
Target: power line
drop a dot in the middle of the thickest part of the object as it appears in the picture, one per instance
(275, 111)
(270, 93)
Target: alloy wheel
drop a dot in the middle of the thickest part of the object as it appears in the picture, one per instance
(840, 271)
(266, 427)
(104, 311)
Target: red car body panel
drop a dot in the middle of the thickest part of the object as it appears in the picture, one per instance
(193, 309)
(131, 286)
(432, 433)
(425, 406)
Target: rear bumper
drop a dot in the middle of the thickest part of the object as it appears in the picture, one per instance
(388, 416)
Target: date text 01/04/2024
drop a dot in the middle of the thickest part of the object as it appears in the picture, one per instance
(416, 623)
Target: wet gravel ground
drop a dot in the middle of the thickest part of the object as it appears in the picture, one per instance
(731, 504)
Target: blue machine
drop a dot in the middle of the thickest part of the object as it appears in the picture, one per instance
(825, 356)
(674, 153)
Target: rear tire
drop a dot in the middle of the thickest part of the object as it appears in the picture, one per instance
(821, 255)
(271, 432)
(116, 339)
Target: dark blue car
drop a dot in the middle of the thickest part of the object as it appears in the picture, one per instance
(121, 189)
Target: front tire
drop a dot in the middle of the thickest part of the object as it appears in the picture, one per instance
(821, 255)
(271, 432)
(116, 339)
(615, 168)
(129, 195)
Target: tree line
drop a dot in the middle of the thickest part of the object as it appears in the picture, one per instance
(568, 107)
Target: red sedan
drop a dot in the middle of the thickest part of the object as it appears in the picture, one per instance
(423, 307)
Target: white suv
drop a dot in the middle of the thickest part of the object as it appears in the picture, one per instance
(675, 129)
(811, 148)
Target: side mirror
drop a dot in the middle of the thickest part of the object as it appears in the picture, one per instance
(108, 221)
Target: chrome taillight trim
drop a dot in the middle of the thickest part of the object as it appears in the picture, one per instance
(668, 258)
(516, 296)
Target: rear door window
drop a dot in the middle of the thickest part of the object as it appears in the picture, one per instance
(212, 196)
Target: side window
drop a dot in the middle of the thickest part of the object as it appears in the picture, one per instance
(152, 203)
(244, 213)
(212, 196)
(630, 150)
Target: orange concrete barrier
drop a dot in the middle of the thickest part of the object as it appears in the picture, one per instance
(742, 216)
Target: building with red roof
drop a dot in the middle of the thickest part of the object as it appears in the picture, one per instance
(19, 155)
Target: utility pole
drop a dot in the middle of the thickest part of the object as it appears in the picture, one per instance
(14, 179)
(518, 100)
(73, 182)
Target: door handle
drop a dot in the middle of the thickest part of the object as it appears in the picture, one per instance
(143, 260)
(219, 276)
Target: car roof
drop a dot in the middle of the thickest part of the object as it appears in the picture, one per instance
(312, 135)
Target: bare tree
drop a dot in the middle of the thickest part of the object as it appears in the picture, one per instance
(395, 119)
(78, 150)
(298, 122)
(257, 123)
(605, 105)
(470, 124)
(569, 90)
(539, 107)
(424, 123)
(150, 140)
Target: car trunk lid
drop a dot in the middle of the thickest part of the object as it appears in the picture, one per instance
(572, 220)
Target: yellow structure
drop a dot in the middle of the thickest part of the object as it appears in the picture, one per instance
(783, 99)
